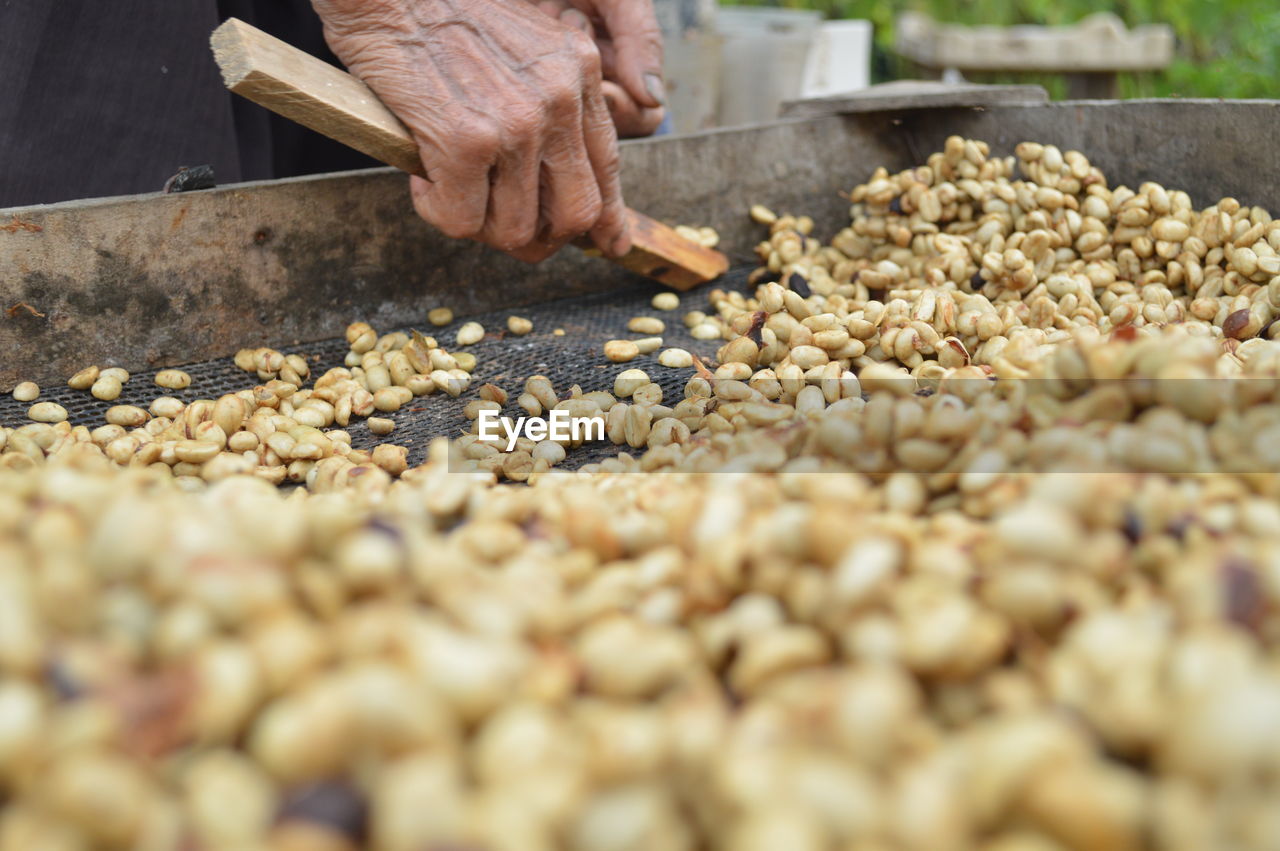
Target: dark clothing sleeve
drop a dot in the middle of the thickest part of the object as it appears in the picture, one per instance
(109, 98)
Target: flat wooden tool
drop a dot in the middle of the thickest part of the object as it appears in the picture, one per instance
(315, 94)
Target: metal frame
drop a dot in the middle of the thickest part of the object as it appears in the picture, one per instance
(153, 280)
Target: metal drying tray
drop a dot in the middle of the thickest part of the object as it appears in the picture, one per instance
(501, 358)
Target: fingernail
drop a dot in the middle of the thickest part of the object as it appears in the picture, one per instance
(577, 20)
(657, 89)
(620, 246)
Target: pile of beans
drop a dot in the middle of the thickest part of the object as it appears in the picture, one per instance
(967, 539)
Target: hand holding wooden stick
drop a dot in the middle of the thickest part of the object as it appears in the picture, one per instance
(332, 102)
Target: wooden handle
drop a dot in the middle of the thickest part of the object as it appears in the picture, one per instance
(330, 101)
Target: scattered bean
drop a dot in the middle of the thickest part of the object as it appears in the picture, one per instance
(173, 379)
(628, 381)
(106, 388)
(621, 351)
(386, 400)
(647, 394)
(675, 358)
(129, 416)
(47, 412)
(470, 333)
(650, 325)
(27, 391)
(493, 393)
(84, 379)
(665, 301)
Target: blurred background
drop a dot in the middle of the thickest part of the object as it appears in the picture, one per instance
(733, 64)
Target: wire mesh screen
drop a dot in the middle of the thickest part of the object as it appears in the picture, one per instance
(501, 358)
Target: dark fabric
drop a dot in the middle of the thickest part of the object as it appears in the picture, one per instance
(296, 150)
(111, 97)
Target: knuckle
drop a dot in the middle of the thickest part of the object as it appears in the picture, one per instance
(458, 223)
(609, 162)
(513, 236)
(564, 100)
(613, 218)
(579, 217)
(603, 133)
(584, 52)
(480, 139)
(522, 125)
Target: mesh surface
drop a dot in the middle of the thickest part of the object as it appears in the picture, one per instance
(501, 358)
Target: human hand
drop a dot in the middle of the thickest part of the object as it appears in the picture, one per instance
(509, 113)
(630, 43)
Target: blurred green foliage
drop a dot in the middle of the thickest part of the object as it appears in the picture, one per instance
(1225, 48)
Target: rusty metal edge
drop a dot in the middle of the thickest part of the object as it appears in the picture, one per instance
(155, 280)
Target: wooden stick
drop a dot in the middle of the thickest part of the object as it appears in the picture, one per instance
(330, 101)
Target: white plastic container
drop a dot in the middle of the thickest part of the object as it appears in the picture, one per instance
(692, 70)
(691, 65)
(839, 60)
(763, 60)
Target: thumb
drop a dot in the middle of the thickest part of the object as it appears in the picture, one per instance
(637, 43)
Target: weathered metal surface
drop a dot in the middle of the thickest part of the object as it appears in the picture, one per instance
(901, 95)
(1099, 42)
(158, 280)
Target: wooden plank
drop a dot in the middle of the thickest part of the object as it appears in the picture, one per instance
(658, 252)
(315, 94)
(915, 94)
(1099, 42)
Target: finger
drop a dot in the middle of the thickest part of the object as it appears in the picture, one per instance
(601, 141)
(637, 43)
(538, 250)
(571, 199)
(512, 218)
(552, 8)
(630, 118)
(608, 59)
(577, 20)
(454, 202)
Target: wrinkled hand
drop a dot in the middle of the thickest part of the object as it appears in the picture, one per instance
(630, 43)
(508, 110)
